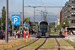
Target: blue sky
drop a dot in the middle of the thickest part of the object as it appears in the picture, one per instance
(15, 7)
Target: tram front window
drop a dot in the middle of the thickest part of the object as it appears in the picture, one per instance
(43, 28)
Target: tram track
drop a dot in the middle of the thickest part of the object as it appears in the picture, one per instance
(64, 45)
(28, 44)
(41, 44)
(68, 42)
(58, 44)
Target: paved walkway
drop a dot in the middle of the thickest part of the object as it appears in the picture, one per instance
(70, 37)
(10, 39)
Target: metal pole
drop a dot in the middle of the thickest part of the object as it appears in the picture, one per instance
(41, 16)
(20, 20)
(1, 23)
(12, 30)
(6, 31)
(22, 13)
(34, 14)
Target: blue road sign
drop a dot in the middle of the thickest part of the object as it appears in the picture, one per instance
(24, 24)
(62, 28)
(15, 19)
(8, 25)
(28, 24)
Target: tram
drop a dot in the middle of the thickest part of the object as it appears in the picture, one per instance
(43, 29)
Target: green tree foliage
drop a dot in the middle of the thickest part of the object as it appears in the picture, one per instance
(26, 20)
(69, 0)
(62, 24)
(3, 17)
(52, 25)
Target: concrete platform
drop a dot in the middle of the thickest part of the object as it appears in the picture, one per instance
(70, 37)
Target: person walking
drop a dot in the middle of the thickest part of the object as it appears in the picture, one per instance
(15, 33)
(21, 33)
(60, 32)
(24, 32)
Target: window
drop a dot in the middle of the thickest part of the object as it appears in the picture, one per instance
(43, 27)
(72, 1)
(72, 8)
(68, 17)
(73, 15)
(74, 21)
(71, 21)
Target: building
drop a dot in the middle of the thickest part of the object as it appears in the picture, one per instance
(57, 22)
(69, 12)
(60, 16)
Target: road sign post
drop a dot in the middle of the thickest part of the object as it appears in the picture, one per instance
(15, 20)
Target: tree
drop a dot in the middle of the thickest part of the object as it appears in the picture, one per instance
(62, 25)
(69, 0)
(3, 17)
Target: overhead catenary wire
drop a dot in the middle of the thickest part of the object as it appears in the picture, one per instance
(43, 4)
(32, 2)
(38, 2)
(26, 2)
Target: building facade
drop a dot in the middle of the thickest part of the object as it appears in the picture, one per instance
(60, 16)
(69, 12)
(57, 22)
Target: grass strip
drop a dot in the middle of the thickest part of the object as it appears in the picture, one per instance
(64, 45)
(72, 43)
(50, 43)
(22, 44)
(36, 44)
(56, 33)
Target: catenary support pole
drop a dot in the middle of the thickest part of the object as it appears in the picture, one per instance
(22, 12)
(34, 14)
(6, 29)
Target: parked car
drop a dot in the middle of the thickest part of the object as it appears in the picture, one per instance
(2, 35)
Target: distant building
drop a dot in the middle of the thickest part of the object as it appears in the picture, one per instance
(60, 16)
(57, 22)
(69, 12)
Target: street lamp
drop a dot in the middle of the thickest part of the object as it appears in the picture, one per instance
(64, 24)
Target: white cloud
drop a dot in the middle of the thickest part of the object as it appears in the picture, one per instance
(53, 13)
(56, 13)
(29, 13)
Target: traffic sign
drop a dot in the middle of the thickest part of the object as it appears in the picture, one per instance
(24, 24)
(8, 25)
(28, 24)
(15, 19)
(62, 28)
